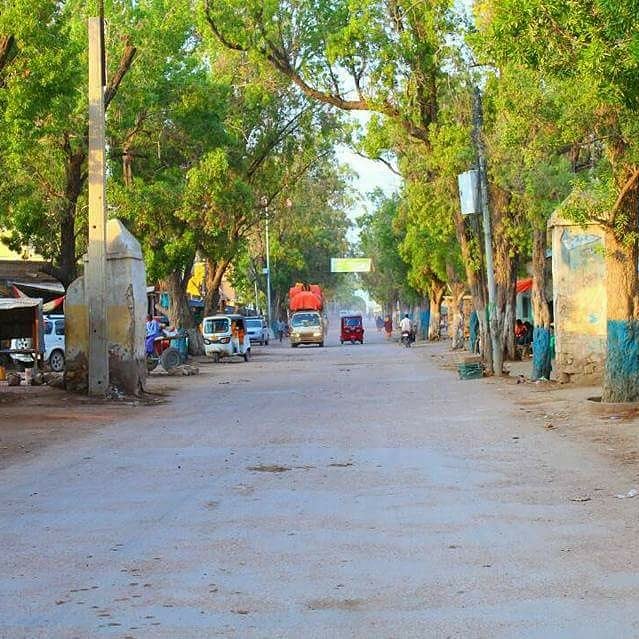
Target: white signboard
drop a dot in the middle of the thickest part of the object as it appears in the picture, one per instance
(469, 192)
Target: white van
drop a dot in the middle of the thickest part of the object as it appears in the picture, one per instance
(53, 345)
(217, 331)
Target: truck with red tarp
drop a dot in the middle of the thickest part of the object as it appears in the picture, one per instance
(308, 326)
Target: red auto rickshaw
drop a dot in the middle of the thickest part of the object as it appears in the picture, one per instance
(352, 329)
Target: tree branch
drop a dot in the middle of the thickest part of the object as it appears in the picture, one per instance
(125, 64)
(386, 163)
(279, 135)
(216, 31)
(6, 48)
(279, 59)
(628, 186)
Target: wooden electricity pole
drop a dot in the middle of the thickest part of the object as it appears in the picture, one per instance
(95, 272)
(493, 315)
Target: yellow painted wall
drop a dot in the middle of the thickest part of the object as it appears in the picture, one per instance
(7, 254)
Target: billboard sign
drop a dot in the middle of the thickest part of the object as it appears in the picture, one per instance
(350, 264)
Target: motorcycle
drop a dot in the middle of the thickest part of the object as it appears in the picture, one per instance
(406, 339)
(164, 354)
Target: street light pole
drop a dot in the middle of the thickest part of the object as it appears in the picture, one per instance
(264, 203)
(268, 273)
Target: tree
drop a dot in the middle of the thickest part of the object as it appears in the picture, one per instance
(309, 226)
(396, 58)
(529, 163)
(44, 124)
(569, 44)
(380, 238)
(429, 245)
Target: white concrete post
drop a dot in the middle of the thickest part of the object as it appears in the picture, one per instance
(95, 274)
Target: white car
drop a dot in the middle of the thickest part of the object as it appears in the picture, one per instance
(257, 330)
(53, 344)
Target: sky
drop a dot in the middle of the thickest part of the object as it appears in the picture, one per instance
(370, 175)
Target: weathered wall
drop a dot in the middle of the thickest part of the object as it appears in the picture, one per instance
(579, 298)
(126, 309)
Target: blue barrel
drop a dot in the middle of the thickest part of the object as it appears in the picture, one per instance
(181, 344)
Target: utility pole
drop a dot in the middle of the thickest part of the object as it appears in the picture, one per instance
(95, 273)
(494, 323)
(267, 270)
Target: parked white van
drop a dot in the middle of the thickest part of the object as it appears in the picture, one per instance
(53, 345)
(226, 336)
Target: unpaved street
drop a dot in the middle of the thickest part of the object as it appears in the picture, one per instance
(345, 492)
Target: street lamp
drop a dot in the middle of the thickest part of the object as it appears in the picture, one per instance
(267, 270)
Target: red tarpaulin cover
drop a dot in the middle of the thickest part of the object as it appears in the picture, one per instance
(524, 285)
(306, 301)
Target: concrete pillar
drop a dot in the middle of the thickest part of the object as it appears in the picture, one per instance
(126, 306)
(579, 300)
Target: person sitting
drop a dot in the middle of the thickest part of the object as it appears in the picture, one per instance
(528, 337)
(520, 333)
(406, 326)
(153, 329)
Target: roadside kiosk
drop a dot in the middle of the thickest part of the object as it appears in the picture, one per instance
(21, 318)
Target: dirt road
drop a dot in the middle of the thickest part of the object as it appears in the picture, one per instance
(345, 492)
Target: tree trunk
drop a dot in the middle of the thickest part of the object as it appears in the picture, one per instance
(196, 341)
(67, 270)
(621, 378)
(436, 297)
(179, 313)
(213, 280)
(541, 312)
(458, 290)
(505, 278)
(468, 235)
(127, 166)
(510, 312)
(424, 319)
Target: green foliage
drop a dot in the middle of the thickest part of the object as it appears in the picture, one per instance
(380, 238)
(579, 63)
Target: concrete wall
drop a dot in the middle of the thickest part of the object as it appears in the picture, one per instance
(579, 297)
(126, 309)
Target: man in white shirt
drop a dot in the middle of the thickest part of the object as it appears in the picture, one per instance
(406, 324)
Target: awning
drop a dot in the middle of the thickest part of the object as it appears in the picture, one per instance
(524, 285)
(49, 287)
(49, 307)
(11, 303)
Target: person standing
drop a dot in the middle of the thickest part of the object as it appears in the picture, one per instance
(235, 336)
(388, 327)
(240, 336)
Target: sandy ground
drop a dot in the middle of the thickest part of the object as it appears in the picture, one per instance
(355, 491)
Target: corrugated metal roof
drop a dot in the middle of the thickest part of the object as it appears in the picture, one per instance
(11, 303)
